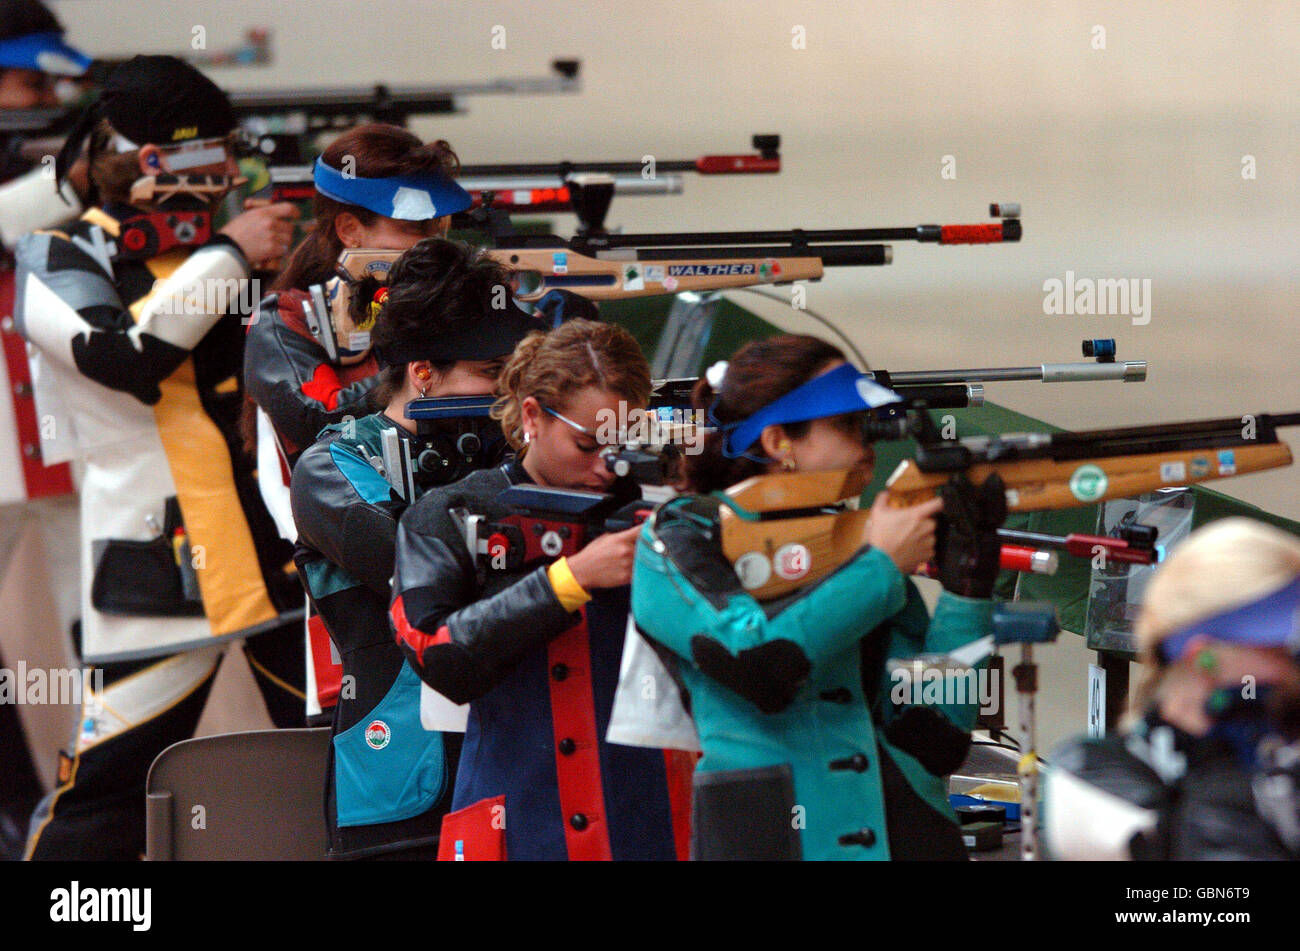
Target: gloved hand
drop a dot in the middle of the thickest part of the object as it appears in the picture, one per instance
(936, 742)
(967, 550)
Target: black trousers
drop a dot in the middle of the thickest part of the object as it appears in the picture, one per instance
(97, 812)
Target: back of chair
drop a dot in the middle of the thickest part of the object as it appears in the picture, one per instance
(256, 795)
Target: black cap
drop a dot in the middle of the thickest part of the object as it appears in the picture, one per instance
(159, 100)
(25, 17)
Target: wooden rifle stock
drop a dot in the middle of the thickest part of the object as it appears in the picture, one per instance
(783, 531)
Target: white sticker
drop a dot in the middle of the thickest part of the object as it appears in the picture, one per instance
(654, 273)
(1013, 498)
(633, 280)
(753, 569)
(792, 561)
(1173, 472)
(412, 204)
(552, 544)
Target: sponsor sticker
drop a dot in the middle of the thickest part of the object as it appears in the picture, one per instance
(654, 273)
(1088, 483)
(1200, 467)
(632, 278)
(378, 734)
(1013, 498)
(670, 284)
(552, 544)
(1173, 472)
(792, 561)
(1227, 462)
(753, 569)
(560, 262)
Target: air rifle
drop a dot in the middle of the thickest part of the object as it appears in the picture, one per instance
(614, 267)
(584, 188)
(788, 529)
(343, 107)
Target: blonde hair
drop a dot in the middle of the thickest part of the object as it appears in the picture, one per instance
(552, 366)
(1221, 566)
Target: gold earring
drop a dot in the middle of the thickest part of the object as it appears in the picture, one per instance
(787, 458)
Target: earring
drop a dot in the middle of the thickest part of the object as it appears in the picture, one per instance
(787, 458)
(528, 437)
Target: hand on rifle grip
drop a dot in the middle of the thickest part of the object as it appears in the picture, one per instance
(968, 551)
(906, 535)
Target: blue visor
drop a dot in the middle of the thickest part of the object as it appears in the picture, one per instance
(405, 197)
(842, 390)
(43, 52)
(1271, 621)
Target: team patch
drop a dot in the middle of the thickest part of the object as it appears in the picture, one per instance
(378, 734)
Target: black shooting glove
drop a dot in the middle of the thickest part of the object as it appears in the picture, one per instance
(967, 549)
(937, 743)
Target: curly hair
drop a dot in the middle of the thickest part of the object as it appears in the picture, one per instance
(552, 366)
(437, 284)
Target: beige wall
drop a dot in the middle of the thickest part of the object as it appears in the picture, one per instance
(1127, 161)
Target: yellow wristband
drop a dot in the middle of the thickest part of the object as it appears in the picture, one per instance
(571, 594)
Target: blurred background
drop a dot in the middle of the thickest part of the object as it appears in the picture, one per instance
(1144, 139)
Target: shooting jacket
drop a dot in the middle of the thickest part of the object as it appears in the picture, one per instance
(540, 683)
(805, 752)
(1154, 794)
(177, 548)
(389, 781)
(289, 375)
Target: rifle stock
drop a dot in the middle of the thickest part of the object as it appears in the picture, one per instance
(1035, 485)
(787, 530)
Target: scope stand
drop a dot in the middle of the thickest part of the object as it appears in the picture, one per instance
(1026, 623)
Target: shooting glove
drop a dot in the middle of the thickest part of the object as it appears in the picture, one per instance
(967, 549)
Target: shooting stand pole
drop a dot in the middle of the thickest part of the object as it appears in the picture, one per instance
(1026, 623)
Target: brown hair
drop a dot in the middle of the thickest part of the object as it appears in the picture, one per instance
(761, 372)
(551, 367)
(378, 151)
(112, 173)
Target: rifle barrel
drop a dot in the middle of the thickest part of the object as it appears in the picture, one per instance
(1131, 371)
(795, 236)
(832, 255)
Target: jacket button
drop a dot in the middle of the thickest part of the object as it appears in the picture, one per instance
(560, 671)
(838, 695)
(567, 746)
(863, 837)
(578, 821)
(858, 762)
